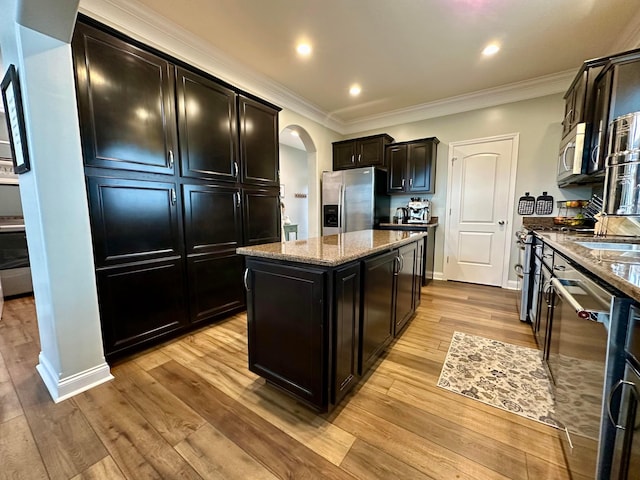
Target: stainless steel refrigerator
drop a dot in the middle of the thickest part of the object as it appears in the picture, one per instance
(354, 200)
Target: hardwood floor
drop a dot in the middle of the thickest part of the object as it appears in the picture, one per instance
(191, 409)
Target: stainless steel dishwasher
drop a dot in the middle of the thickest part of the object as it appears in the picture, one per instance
(577, 360)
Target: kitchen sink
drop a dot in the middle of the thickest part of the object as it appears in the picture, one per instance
(623, 247)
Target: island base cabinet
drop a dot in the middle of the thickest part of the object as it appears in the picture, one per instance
(286, 336)
(139, 303)
(347, 330)
(377, 315)
(405, 287)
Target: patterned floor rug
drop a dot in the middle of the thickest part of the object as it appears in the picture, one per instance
(506, 376)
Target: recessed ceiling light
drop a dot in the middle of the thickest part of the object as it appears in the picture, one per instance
(295, 133)
(355, 90)
(304, 49)
(491, 49)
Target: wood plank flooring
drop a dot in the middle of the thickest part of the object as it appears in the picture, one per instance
(191, 409)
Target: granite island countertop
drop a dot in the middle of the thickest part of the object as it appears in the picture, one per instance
(333, 250)
(620, 269)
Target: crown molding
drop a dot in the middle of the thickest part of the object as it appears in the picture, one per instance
(145, 25)
(514, 92)
(629, 38)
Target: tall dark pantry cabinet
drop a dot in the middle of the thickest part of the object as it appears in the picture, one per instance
(180, 169)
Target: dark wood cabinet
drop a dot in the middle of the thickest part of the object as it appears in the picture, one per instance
(262, 216)
(258, 142)
(347, 330)
(419, 273)
(207, 125)
(616, 94)
(412, 166)
(140, 302)
(405, 303)
(125, 104)
(287, 334)
(133, 220)
(574, 105)
(213, 230)
(153, 131)
(360, 152)
(378, 303)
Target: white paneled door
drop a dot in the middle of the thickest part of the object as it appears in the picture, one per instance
(480, 209)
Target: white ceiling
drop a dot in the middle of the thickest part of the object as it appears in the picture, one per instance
(405, 53)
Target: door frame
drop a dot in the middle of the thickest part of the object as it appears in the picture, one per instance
(506, 259)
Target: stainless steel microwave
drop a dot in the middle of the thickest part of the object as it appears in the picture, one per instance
(570, 159)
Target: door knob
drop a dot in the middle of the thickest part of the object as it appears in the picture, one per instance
(501, 222)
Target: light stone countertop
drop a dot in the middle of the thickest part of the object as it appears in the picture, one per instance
(409, 226)
(333, 250)
(620, 269)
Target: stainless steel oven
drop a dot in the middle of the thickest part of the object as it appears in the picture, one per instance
(15, 272)
(577, 360)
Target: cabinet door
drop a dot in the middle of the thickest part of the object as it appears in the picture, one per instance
(344, 155)
(347, 329)
(258, 143)
(133, 220)
(125, 104)
(262, 218)
(421, 167)
(207, 126)
(397, 162)
(579, 98)
(598, 146)
(377, 317)
(286, 333)
(405, 286)
(370, 152)
(215, 284)
(212, 218)
(140, 302)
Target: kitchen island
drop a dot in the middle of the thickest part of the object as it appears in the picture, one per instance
(321, 311)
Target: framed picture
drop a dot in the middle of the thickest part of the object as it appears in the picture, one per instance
(12, 101)
(281, 191)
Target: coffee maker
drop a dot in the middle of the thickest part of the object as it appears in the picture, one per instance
(419, 211)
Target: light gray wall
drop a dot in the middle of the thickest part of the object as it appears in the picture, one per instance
(538, 123)
(294, 175)
(10, 205)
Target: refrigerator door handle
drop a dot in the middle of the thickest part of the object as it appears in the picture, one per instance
(343, 217)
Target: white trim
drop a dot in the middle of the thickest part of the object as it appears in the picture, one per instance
(515, 137)
(439, 276)
(144, 24)
(62, 388)
(629, 38)
(512, 285)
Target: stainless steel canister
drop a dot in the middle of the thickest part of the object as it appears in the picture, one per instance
(622, 196)
(624, 139)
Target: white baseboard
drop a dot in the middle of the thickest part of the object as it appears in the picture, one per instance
(438, 276)
(62, 388)
(512, 285)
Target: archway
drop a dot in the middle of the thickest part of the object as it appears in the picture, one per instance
(297, 180)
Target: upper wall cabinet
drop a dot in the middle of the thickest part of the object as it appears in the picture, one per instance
(360, 152)
(258, 142)
(412, 166)
(207, 123)
(125, 100)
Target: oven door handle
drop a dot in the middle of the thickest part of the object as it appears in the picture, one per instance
(610, 398)
(582, 312)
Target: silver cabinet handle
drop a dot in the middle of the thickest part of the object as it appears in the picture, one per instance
(174, 198)
(353, 159)
(611, 393)
(170, 158)
(411, 183)
(244, 279)
(235, 169)
(396, 266)
(359, 158)
(237, 195)
(403, 183)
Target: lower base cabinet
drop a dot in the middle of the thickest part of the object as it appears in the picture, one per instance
(141, 302)
(377, 315)
(313, 331)
(215, 285)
